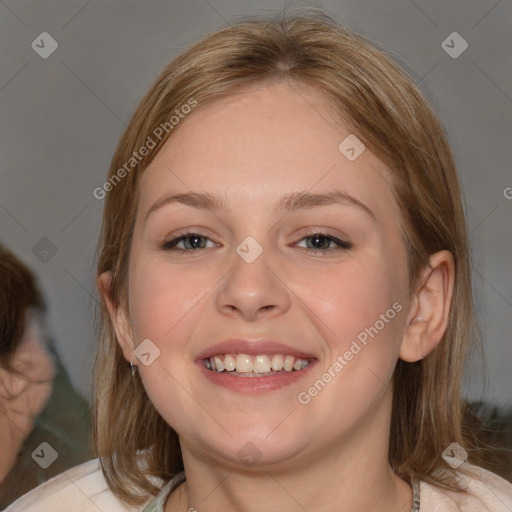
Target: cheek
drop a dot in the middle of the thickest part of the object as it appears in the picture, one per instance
(355, 301)
(161, 298)
(165, 306)
(361, 314)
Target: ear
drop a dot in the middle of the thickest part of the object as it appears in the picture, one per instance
(430, 308)
(118, 316)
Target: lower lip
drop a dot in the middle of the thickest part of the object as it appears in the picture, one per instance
(254, 385)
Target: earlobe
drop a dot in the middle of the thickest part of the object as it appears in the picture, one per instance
(430, 308)
(118, 316)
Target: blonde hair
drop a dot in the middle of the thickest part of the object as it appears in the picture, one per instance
(382, 105)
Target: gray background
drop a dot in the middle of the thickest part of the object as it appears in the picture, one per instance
(61, 118)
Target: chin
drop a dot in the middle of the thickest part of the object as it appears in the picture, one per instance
(254, 451)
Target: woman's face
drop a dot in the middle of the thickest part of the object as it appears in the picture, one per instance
(257, 272)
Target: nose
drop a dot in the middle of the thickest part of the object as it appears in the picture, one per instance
(250, 290)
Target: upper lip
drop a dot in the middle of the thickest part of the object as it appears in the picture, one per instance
(252, 347)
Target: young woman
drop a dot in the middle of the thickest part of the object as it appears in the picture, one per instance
(284, 270)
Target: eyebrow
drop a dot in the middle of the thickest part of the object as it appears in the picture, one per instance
(289, 202)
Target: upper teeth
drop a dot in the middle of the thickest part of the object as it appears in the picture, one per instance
(244, 363)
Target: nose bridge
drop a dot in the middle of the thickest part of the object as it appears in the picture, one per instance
(252, 284)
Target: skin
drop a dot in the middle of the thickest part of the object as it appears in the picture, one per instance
(254, 147)
(23, 395)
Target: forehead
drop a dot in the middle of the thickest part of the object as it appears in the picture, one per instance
(262, 142)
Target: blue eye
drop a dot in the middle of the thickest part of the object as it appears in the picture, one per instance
(195, 243)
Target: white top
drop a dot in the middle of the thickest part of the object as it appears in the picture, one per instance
(84, 489)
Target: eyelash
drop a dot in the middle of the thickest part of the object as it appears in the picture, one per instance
(169, 245)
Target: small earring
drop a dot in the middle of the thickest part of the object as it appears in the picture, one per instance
(133, 369)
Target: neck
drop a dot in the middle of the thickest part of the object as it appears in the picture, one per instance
(351, 476)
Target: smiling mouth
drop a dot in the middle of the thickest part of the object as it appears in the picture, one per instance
(245, 365)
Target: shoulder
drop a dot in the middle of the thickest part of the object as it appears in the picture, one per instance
(486, 492)
(81, 489)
